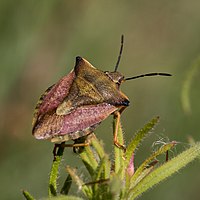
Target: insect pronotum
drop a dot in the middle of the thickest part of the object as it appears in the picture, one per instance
(74, 106)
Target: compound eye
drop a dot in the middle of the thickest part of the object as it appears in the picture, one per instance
(116, 77)
(121, 79)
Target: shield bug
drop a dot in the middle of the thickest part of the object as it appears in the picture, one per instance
(74, 106)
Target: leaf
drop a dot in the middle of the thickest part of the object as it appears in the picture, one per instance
(116, 187)
(187, 84)
(139, 136)
(136, 177)
(87, 191)
(67, 185)
(63, 197)
(166, 170)
(103, 158)
(98, 146)
(100, 179)
(27, 195)
(89, 160)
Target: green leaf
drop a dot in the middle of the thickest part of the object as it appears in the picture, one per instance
(66, 186)
(139, 172)
(99, 182)
(116, 187)
(187, 84)
(87, 191)
(89, 160)
(165, 170)
(140, 135)
(98, 146)
(103, 158)
(63, 197)
(27, 195)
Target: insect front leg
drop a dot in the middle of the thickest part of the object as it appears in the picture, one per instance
(117, 116)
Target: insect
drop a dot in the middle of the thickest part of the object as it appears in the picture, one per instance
(74, 106)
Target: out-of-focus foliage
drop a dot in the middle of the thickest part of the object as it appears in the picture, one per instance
(39, 41)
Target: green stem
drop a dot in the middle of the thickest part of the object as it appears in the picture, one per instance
(52, 190)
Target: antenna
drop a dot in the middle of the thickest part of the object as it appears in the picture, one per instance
(120, 53)
(149, 74)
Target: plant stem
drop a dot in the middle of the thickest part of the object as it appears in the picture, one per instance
(52, 190)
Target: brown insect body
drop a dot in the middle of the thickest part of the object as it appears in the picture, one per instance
(78, 103)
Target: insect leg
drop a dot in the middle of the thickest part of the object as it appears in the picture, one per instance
(167, 156)
(117, 116)
(55, 151)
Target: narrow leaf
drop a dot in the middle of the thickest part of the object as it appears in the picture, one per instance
(187, 86)
(166, 170)
(140, 135)
(99, 178)
(136, 177)
(103, 170)
(99, 170)
(116, 187)
(89, 160)
(103, 157)
(98, 146)
(66, 186)
(87, 191)
(63, 197)
(27, 195)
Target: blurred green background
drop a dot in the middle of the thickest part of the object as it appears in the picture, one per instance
(39, 41)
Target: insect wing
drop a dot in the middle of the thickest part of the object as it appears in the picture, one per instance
(73, 125)
(52, 97)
